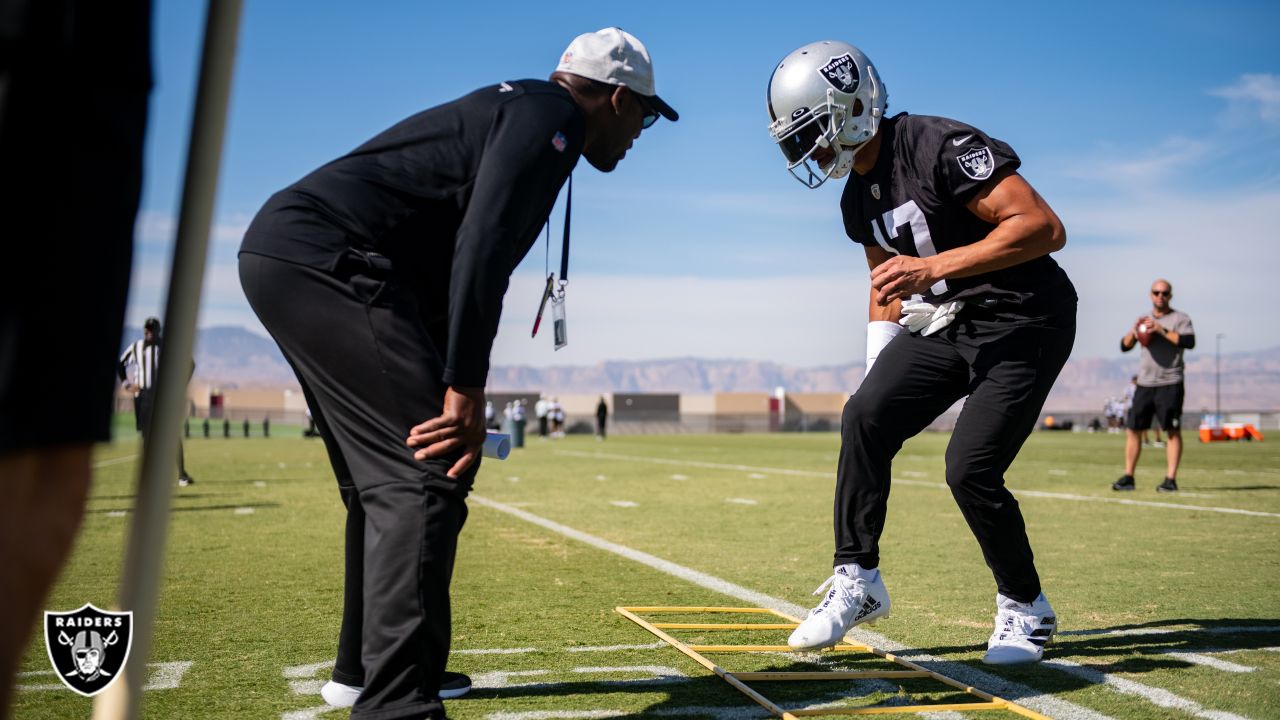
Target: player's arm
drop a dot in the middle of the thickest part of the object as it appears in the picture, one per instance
(1025, 229)
(882, 320)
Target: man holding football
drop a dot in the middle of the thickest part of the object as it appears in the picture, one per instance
(1163, 335)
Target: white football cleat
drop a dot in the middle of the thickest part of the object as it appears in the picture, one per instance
(1022, 631)
(339, 695)
(855, 596)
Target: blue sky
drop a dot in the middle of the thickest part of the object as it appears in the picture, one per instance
(1152, 128)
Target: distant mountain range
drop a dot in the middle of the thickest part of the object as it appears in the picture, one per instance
(235, 357)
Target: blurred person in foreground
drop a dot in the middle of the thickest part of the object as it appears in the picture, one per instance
(74, 84)
(402, 251)
(965, 303)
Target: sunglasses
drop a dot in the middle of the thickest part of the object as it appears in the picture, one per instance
(1162, 293)
(650, 114)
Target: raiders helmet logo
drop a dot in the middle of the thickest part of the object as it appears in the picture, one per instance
(977, 163)
(88, 647)
(842, 73)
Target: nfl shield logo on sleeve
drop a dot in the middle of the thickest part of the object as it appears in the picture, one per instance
(559, 142)
(977, 163)
(88, 647)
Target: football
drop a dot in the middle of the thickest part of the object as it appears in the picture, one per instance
(1144, 333)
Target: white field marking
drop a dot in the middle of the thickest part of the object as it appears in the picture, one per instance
(624, 503)
(244, 511)
(167, 675)
(499, 679)
(513, 479)
(602, 477)
(913, 473)
(1217, 630)
(164, 676)
(117, 513)
(281, 465)
(306, 671)
(556, 715)
(757, 476)
(1046, 704)
(495, 651)
(1202, 658)
(1156, 696)
(1233, 472)
(678, 476)
(615, 648)
(523, 504)
(715, 713)
(259, 483)
(1056, 471)
(742, 501)
(920, 483)
(306, 687)
(659, 672)
(310, 713)
(113, 461)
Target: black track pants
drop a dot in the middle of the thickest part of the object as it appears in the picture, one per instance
(370, 371)
(1006, 372)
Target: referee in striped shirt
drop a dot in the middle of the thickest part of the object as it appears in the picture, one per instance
(144, 357)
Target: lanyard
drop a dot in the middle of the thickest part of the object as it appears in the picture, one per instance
(564, 261)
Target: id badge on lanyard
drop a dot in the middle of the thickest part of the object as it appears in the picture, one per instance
(559, 325)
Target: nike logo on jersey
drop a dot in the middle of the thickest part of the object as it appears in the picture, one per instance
(957, 142)
(504, 87)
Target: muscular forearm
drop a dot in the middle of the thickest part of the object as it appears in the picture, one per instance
(1014, 241)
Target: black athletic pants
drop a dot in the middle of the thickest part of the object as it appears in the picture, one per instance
(143, 405)
(370, 370)
(1006, 372)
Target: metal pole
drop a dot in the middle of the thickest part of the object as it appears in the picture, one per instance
(1217, 378)
(144, 559)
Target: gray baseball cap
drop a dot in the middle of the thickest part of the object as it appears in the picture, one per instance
(616, 57)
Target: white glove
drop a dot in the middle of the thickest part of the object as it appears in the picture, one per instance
(879, 333)
(927, 318)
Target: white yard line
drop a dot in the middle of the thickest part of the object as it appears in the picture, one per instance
(114, 461)
(1156, 696)
(919, 483)
(1047, 704)
(1203, 658)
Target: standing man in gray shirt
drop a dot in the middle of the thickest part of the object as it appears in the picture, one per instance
(1164, 335)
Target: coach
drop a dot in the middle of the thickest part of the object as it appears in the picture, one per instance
(381, 276)
(1164, 335)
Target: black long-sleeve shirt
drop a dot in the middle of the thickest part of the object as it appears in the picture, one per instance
(454, 196)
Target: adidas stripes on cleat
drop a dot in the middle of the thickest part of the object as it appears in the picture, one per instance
(1022, 631)
(854, 596)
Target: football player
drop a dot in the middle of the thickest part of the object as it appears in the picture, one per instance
(965, 303)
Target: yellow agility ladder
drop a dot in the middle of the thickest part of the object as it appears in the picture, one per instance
(739, 680)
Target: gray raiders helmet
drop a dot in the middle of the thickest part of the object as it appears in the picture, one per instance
(824, 95)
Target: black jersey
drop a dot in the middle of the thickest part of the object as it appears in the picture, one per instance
(912, 202)
(454, 196)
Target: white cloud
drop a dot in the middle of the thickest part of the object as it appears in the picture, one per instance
(800, 320)
(1253, 95)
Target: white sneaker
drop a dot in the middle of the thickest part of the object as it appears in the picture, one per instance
(856, 596)
(339, 695)
(452, 685)
(1022, 631)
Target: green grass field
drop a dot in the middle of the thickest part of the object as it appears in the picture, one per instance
(1170, 605)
